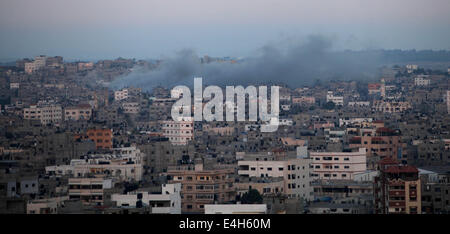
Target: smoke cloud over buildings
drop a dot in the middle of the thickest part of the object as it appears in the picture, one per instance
(294, 64)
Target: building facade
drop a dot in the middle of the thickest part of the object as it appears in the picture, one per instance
(338, 165)
(201, 187)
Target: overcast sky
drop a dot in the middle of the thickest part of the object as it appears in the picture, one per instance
(94, 29)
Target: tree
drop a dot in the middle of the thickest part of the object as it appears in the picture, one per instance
(329, 105)
(252, 197)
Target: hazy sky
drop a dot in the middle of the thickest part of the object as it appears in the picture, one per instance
(93, 29)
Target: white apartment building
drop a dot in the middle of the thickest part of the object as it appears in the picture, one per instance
(337, 100)
(168, 202)
(296, 174)
(338, 165)
(14, 85)
(125, 164)
(359, 104)
(421, 81)
(179, 132)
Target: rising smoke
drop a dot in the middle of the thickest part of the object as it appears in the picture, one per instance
(296, 64)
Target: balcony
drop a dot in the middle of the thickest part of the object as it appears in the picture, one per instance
(398, 193)
(396, 203)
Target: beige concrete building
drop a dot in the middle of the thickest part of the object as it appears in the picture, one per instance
(385, 143)
(338, 165)
(178, 132)
(201, 187)
(45, 113)
(38, 63)
(89, 190)
(295, 173)
(80, 112)
(45, 206)
(303, 100)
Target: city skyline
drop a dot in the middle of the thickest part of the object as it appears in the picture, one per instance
(246, 108)
(153, 29)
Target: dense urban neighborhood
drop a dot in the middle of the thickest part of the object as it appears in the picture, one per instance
(71, 143)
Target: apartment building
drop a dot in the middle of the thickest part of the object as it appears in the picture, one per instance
(337, 165)
(294, 171)
(390, 106)
(46, 113)
(178, 132)
(337, 100)
(126, 93)
(80, 112)
(384, 143)
(101, 137)
(168, 202)
(46, 205)
(421, 80)
(376, 88)
(200, 187)
(397, 190)
(121, 167)
(89, 190)
(303, 100)
(15, 186)
(83, 66)
(354, 121)
(160, 108)
(38, 63)
(265, 185)
(120, 94)
(435, 189)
